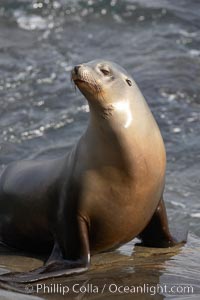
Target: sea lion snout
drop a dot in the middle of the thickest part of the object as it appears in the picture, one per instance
(77, 72)
(80, 73)
(85, 78)
(76, 68)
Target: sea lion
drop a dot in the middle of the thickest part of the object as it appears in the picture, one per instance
(105, 192)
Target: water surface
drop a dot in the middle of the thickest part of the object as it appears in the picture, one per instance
(158, 42)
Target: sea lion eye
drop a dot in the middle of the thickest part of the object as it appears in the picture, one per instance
(129, 82)
(105, 71)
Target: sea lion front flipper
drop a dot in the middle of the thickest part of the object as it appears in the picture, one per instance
(156, 233)
(58, 264)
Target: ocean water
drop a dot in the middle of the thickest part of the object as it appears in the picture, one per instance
(157, 41)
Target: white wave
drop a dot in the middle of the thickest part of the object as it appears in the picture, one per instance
(176, 129)
(188, 34)
(178, 204)
(195, 215)
(194, 52)
(30, 22)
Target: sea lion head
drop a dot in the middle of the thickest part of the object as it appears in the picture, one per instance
(111, 92)
(100, 80)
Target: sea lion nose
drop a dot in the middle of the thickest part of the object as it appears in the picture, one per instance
(76, 68)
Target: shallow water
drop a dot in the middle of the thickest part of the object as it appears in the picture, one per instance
(158, 42)
(161, 273)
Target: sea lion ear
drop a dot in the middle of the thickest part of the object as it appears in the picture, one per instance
(129, 82)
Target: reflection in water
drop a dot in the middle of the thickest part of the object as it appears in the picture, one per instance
(150, 271)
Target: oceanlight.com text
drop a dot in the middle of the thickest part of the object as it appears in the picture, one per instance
(112, 288)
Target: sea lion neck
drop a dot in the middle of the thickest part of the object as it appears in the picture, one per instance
(122, 146)
(105, 122)
(108, 144)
